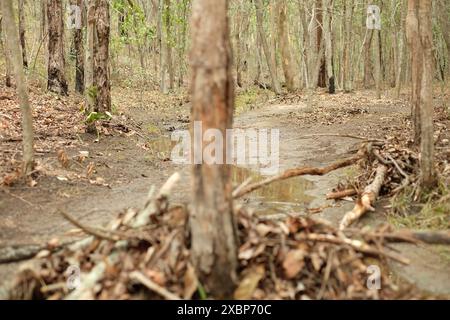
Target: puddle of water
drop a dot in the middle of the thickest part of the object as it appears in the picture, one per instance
(286, 196)
(279, 197)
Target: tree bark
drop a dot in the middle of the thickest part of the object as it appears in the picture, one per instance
(348, 13)
(413, 37)
(3, 40)
(267, 52)
(56, 62)
(428, 178)
(444, 20)
(213, 238)
(167, 42)
(328, 9)
(79, 51)
(287, 62)
(22, 33)
(377, 58)
(101, 57)
(21, 84)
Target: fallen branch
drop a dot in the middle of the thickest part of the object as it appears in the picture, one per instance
(157, 204)
(341, 194)
(299, 172)
(97, 232)
(17, 253)
(139, 277)
(355, 244)
(367, 200)
(344, 136)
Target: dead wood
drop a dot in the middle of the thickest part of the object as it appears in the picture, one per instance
(299, 172)
(19, 252)
(341, 194)
(139, 277)
(367, 200)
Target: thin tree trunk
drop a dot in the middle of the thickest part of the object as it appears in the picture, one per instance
(413, 36)
(328, 9)
(270, 64)
(162, 49)
(377, 58)
(90, 90)
(22, 33)
(400, 52)
(21, 84)
(428, 178)
(444, 20)
(368, 77)
(286, 57)
(101, 57)
(167, 43)
(213, 238)
(348, 13)
(56, 62)
(79, 51)
(182, 50)
(3, 40)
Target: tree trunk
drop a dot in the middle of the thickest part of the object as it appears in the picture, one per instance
(347, 69)
(428, 178)
(413, 37)
(213, 238)
(101, 57)
(167, 42)
(21, 84)
(162, 48)
(328, 9)
(22, 33)
(286, 57)
(444, 20)
(267, 52)
(79, 51)
(368, 77)
(377, 58)
(56, 62)
(3, 40)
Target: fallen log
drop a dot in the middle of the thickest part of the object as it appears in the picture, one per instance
(312, 171)
(368, 198)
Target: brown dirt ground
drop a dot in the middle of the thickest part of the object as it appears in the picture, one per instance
(126, 164)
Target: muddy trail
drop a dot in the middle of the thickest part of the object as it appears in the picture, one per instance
(312, 133)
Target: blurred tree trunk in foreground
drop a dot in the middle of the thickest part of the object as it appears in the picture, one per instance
(214, 247)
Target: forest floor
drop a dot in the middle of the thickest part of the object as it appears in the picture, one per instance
(96, 177)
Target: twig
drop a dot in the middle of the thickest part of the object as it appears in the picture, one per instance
(341, 194)
(241, 186)
(355, 244)
(97, 232)
(139, 277)
(342, 135)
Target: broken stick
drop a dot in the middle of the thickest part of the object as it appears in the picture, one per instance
(299, 172)
(341, 194)
(367, 200)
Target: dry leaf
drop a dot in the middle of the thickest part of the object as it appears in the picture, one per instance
(293, 263)
(249, 283)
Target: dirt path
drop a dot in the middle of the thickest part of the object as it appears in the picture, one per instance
(130, 166)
